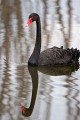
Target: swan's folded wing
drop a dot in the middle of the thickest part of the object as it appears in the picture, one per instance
(54, 56)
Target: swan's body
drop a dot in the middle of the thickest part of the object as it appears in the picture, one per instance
(51, 56)
(58, 56)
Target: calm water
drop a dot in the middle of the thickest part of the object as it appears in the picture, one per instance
(49, 93)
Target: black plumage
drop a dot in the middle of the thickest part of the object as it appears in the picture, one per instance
(58, 56)
(51, 56)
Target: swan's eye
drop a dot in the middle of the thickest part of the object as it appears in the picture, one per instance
(29, 21)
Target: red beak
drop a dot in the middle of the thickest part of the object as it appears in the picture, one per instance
(23, 109)
(29, 21)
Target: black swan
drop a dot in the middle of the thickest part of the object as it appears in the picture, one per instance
(51, 56)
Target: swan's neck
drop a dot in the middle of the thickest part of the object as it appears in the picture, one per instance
(33, 60)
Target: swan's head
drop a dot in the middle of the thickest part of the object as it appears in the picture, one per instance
(32, 17)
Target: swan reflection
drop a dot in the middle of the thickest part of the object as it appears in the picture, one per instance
(34, 76)
(59, 70)
(55, 71)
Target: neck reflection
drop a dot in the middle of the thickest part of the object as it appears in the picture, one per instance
(34, 76)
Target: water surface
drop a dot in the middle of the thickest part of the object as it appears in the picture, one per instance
(49, 93)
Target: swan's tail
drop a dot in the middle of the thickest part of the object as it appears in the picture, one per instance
(75, 54)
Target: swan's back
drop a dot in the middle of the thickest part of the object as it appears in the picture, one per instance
(58, 56)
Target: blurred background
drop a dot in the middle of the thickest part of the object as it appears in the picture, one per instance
(58, 97)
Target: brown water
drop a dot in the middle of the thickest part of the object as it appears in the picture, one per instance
(56, 91)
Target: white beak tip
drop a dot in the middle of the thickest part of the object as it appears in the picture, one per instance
(26, 25)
